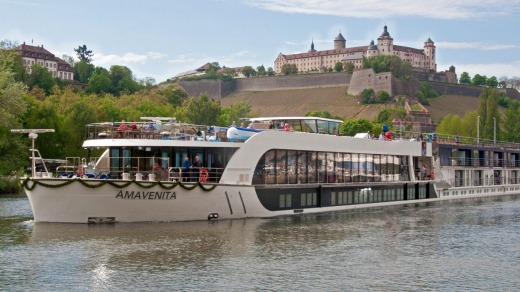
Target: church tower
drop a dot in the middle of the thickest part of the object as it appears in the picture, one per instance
(385, 43)
(312, 50)
(339, 42)
(429, 52)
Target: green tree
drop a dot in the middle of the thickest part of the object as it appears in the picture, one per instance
(200, 111)
(352, 127)
(122, 80)
(465, 79)
(238, 110)
(388, 63)
(261, 70)
(147, 82)
(450, 125)
(488, 112)
(383, 96)
(289, 69)
(349, 68)
(175, 94)
(512, 122)
(42, 78)
(367, 96)
(479, 80)
(13, 152)
(384, 117)
(425, 92)
(84, 54)
(83, 71)
(338, 67)
(270, 71)
(248, 71)
(492, 82)
(100, 82)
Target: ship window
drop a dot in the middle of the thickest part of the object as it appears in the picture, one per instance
(322, 167)
(292, 166)
(285, 201)
(281, 166)
(312, 159)
(308, 199)
(302, 167)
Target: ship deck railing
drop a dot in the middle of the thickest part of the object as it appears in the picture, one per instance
(147, 130)
(481, 162)
(459, 141)
(487, 181)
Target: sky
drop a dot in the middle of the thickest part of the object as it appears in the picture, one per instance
(161, 39)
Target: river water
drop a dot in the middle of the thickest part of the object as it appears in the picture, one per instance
(462, 245)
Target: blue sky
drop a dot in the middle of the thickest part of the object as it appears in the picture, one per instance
(160, 39)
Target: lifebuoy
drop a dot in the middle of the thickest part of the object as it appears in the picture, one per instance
(203, 175)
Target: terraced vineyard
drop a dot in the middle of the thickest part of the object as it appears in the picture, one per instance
(297, 102)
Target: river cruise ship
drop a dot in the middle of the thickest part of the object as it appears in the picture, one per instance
(275, 166)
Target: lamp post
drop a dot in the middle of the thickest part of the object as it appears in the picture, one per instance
(494, 131)
(478, 130)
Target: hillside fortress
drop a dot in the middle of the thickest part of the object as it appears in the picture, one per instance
(321, 61)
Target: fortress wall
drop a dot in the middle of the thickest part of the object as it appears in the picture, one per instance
(366, 78)
(292, 82)
(215, 89)
(357, 82)
(383, 82)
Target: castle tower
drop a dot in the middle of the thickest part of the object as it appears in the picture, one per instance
(339, 42)
(429, 52)
(385, 43)
(372, 50)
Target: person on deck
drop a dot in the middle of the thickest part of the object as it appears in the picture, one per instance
(122, 128)
(196, 165)
(186, 169)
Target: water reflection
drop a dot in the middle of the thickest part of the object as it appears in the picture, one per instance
(447, 246)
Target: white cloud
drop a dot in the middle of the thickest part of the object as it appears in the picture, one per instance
(473, 45)
(440, 9)
(129, 58)
(495, 69)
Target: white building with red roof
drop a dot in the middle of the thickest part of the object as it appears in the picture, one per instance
(36, 55)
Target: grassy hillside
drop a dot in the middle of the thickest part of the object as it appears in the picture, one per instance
(297, 102)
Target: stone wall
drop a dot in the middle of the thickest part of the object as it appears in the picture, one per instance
(357, 82)
(217, 89)
(363, 79)
(292, 82)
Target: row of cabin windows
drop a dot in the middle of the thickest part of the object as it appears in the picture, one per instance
(351, 196)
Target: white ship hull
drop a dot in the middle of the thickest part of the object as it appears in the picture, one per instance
(271, 174)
